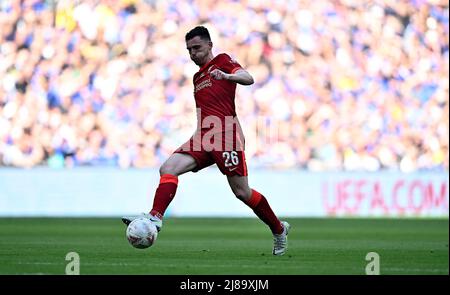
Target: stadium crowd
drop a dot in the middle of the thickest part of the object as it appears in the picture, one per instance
(339, 85)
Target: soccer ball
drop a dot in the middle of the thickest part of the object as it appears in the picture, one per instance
(141, 233)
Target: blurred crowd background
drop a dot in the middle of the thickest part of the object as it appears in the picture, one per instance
(348, 85)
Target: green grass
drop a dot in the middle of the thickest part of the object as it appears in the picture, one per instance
(225, 246)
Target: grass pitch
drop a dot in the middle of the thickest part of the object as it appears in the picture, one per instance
(189, 246)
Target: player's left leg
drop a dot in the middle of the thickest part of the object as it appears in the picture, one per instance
(256, 201)
(259, 204)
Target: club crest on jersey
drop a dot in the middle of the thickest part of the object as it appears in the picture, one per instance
(210, 69)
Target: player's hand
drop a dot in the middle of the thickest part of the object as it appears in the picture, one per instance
(219, 75)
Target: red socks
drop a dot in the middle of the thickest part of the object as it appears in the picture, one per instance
(258, 203)
(262, 209)
(164, 194)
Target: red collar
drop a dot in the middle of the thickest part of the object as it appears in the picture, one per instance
(207, 64)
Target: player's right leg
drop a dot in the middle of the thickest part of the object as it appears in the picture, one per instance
(177, 164)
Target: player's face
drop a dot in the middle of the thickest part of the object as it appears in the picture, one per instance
(199, 50)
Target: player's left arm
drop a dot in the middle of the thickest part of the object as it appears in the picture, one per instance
(241, 76)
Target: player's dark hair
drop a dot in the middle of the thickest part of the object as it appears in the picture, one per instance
(200, 31)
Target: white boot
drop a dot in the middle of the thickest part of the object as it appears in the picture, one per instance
(280, 241)
(156, 221)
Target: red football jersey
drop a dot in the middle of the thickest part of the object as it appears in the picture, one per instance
(215, 97)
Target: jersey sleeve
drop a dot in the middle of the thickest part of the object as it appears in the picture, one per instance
(229, 65)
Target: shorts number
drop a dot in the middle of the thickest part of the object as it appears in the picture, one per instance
(233, 156)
